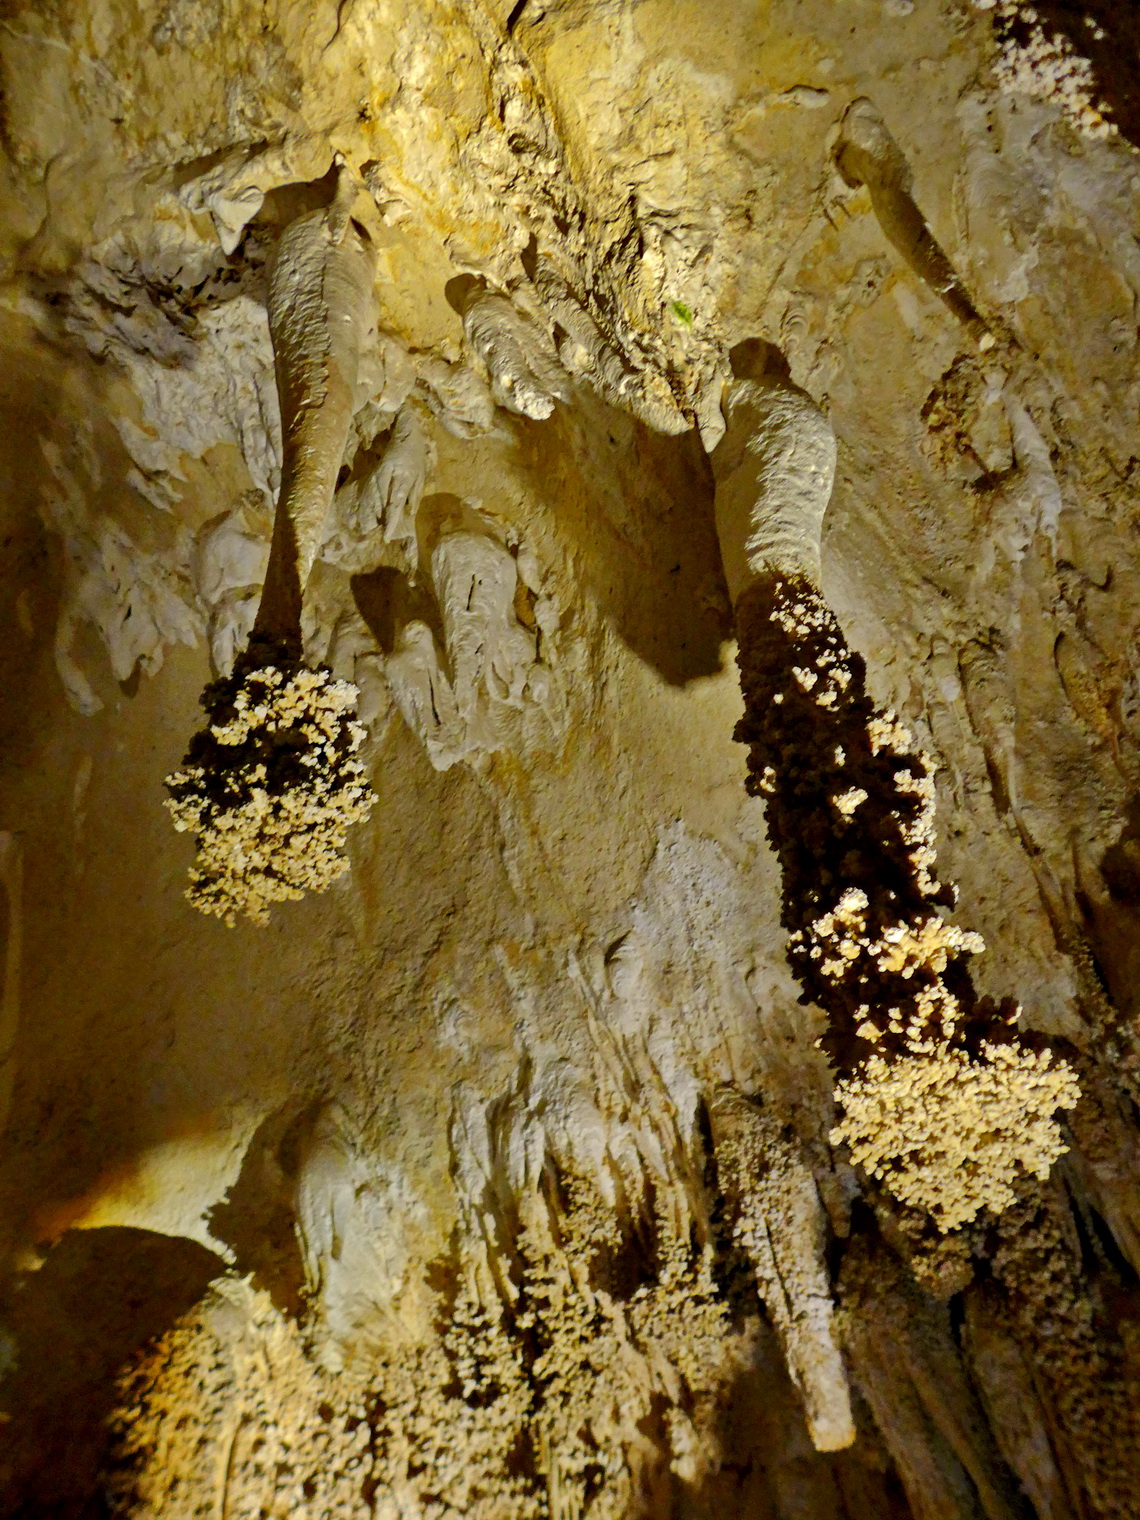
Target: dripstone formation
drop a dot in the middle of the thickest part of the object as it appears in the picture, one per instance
(645, 494)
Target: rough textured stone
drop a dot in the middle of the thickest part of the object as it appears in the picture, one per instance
(414, 1202)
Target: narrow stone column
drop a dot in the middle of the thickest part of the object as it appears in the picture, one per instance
(318, 301)
(942, 1102)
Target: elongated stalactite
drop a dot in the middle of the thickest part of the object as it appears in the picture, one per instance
(270, 786)
(941, 1099)
(319, 293)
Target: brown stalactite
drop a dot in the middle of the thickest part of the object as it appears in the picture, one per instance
(319, 292)
(802, 756)
(942, 1100)
(1075, 1350)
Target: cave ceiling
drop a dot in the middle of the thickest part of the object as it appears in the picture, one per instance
(639, 498)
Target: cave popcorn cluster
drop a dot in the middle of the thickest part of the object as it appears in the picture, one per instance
(270, 788)
(939, 1100)
(949, 1133)
(1041, 63)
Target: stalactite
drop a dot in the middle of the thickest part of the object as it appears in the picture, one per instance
(777, 1218)
(904, 1360)
(867, 154)
(1077, 1360)
(1004, 1377)
(941, 1100)
(318, 296)
(525, 371)
(270, 786)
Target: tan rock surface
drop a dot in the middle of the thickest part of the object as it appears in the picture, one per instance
(408, 1204)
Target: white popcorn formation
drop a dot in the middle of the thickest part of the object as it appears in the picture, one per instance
(1044, 65)
(939, 1100)
(948, 1134)
(270, 788)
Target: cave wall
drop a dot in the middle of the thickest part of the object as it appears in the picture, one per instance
(445, 1139)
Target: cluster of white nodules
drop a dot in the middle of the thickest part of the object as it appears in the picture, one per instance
(803, 618)
(888, 735)
(838, 938)
(946, 1129)
(1046, 66)
(270, 793)
(948, 1132)
(839, 941)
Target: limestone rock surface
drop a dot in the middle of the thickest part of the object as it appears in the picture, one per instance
(496, 1181)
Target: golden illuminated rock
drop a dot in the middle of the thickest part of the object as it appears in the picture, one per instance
(497, 1180)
